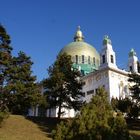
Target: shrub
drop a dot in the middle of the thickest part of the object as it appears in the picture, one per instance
(3, 115)
(96, 121)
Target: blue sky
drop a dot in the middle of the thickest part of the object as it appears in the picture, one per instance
(41, 28)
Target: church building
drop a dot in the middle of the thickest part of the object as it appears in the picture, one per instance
(98, 69)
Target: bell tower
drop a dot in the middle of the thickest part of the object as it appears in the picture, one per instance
(133, 61)
(107, 55)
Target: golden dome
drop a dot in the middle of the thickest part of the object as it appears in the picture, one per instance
(82, 53)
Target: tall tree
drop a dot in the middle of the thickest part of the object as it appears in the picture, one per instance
(134, 78)
(135, 88)
(63, 86)
(22, 86)
(5, 59)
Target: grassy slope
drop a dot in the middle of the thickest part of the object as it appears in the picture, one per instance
(18, 128)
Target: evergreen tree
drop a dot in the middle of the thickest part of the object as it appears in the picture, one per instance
(5, 59)
(96, 121)
(63, 86)
(114, 103)
(22, 87)
(135, 88)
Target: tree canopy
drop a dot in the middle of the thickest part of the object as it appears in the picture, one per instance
(22, 86)
(96, 121)
(18, 87)
(135, 88)
(5, 60)
(63, 86)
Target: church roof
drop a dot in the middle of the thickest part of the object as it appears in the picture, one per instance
(81, 48)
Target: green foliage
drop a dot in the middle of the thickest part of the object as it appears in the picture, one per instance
(24, 91)
(114, 103)
(135, 88)
(96, 121)
(63, 87)
(18, 89)
(127, 106)
(135, 93)
(3, 115)
(5, 59)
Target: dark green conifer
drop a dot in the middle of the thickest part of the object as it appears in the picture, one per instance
(96, 121)
(63, 86)
(22, 86)
(5, 60)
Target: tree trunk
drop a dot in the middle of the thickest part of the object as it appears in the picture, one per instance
(59, 112)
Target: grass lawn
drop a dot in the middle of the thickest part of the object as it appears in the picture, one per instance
(18, 128)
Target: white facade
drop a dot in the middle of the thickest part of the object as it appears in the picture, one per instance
(115, 82)
(109, 76)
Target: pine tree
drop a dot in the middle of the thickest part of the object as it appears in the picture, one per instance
(5, 59)
(96, 121)
(22, 86)
(135, 94)
(135, 88)
(63, 86)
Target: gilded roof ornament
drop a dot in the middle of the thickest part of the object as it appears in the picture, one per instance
(78, 35)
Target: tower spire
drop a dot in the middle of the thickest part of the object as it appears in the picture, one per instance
(78, 35)
(107, 55)
(133, 61)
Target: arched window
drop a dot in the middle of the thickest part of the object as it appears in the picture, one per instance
(76, 59)
(103, 58)
(83, 59)
(97, 62)
(112, 59)
(131, 68)
(88, 59)
(93, 60)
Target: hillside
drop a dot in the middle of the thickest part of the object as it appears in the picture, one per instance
(18, 128)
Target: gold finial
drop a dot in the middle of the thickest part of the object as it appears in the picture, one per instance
(78, 36)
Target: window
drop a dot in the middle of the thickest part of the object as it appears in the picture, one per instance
(76, 59)
(131, 69)
(103, 58)
(83, 59)
(112, 60)
(90, 92)
(88, 59)
(96, 90)
(97, 62)
(93, 60)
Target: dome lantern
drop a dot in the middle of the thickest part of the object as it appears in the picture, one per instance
(78, 35)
